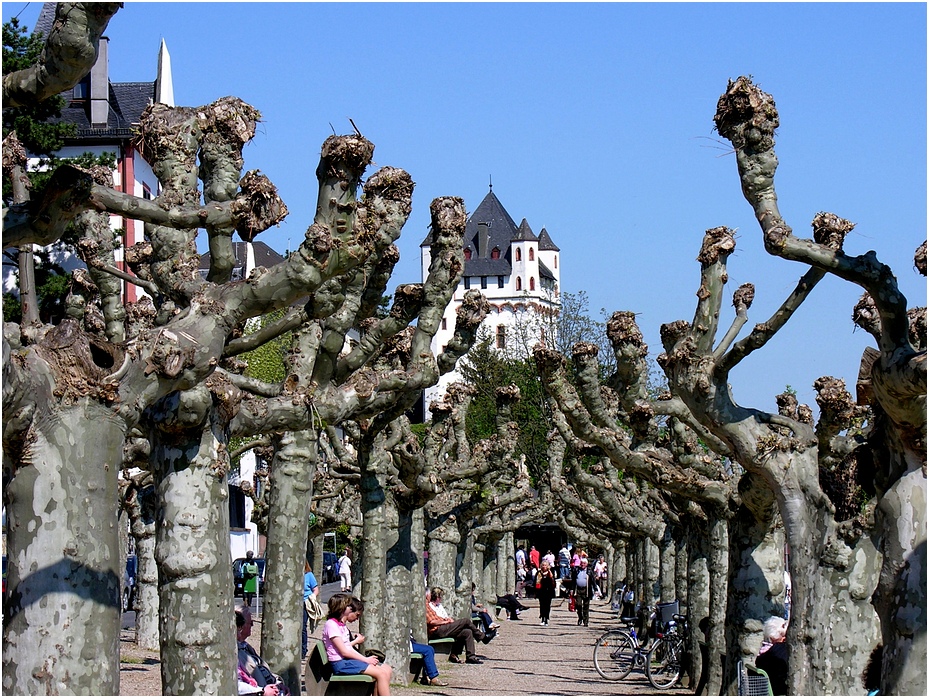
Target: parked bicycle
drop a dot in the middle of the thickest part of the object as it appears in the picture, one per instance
(666, 656)
(618, 651)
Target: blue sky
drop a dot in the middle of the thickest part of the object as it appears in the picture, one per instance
(594, 121)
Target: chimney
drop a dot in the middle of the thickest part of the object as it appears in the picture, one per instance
(483, 239)
(100, 87)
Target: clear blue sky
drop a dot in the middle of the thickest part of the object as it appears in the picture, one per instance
(595, 121)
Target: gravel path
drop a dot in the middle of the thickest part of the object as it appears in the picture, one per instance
(524, 659)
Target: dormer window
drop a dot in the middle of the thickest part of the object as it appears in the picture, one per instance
(495, 253)
(467, 253)
(519, 255)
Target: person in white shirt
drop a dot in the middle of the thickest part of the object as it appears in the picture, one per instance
(345, 572)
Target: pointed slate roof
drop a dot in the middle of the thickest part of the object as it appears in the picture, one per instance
(525, 234)
(545, 242)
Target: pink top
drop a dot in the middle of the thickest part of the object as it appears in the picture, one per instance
(334, 628)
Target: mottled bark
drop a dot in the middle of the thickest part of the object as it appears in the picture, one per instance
(748, 118)
(290, 491)
(197, 626)
(756, 558)
(61, 617)
(142, 505)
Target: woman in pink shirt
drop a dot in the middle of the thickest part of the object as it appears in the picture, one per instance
(340, 645)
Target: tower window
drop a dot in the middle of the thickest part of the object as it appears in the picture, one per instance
(501, 336)
(519, 284)
(519, 255)
(531, 254)
(532, 283)
(444, 324)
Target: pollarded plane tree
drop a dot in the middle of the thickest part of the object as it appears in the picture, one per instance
(747, 117)
(382, 373)
(62, 381)
(482, 484)
(646, 481)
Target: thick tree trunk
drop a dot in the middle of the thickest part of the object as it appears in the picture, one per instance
(443, 558)
(197, 625)
(698, 603)
(61, 620)
(667, 585)
(418, 578)
(398, 613)
(146, 591)
(756, 582)
(901, 595)
(719, 582)
(290, 495)
(652, 555)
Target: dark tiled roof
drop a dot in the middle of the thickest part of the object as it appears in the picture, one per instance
(545, 272)
(484, 266)
(525, 234)
(545, 242)
(127, 102)
(46, 19)
(264, 256)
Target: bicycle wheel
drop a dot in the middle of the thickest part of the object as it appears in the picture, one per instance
(614, 655)
(663, 667)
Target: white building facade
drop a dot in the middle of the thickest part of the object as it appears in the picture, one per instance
(519, 274)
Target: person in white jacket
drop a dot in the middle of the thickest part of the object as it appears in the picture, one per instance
(345, 571)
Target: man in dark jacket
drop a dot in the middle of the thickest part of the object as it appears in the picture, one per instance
(584, 584)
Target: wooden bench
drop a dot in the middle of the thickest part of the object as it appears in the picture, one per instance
(443, 645)
(320, 681)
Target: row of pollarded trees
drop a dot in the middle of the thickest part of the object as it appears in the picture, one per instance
(785, 479)
(157, 383)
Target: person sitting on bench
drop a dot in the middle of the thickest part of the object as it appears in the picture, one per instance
(255, 677)
(511, 604)
(440, 624)
(340, 647)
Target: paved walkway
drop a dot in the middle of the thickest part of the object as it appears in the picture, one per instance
(524, 659)
(528, 659)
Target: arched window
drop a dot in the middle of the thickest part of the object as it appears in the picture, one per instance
(532, 283)
(495, 253)
(519, 255)
(531, 254)
(519, 284)
(468, 253)
(556, 261)
(501, 336)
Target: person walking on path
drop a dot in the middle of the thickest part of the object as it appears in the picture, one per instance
(584, 584)
(440, 624)
(545, 592)
(345, 572)
(533, 557)
(564, 562)
(250, 575)
(600, 574)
